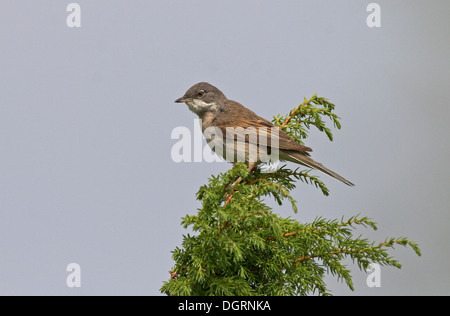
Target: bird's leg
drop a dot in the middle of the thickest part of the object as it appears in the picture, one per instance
(236, 182)
(251, 168)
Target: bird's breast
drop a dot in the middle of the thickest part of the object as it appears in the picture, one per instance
(207, 121)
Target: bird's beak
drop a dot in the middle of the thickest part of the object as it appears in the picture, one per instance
(183, 99)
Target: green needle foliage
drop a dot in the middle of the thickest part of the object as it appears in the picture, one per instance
(241, 247)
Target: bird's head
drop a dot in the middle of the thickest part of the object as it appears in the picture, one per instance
(202, 97)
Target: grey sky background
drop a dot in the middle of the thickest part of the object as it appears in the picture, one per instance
(86, 116)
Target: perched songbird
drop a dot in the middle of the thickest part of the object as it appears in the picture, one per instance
(228, 124)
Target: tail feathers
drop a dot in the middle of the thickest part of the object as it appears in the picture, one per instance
(308, 162)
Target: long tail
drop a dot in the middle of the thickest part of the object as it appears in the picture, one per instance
(308, 162)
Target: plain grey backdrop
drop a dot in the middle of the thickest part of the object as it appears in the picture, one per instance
(86, 115)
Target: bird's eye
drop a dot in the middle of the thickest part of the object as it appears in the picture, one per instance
(201, 93)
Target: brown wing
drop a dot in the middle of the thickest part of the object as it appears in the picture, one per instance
(235, 115)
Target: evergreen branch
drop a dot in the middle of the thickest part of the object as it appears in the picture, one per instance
(240, 247)
(307, 178)
(369, 251)
(294, 112)
(298, 122)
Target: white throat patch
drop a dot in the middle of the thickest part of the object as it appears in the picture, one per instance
(199, 106)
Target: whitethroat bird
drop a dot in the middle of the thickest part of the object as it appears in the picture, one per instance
(237, 134)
